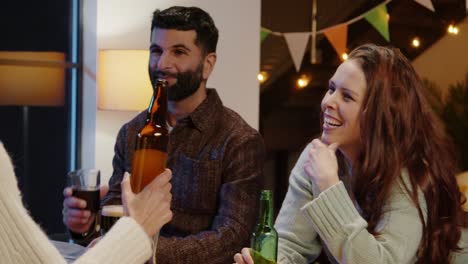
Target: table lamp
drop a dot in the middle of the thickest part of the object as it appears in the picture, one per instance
(122, 80)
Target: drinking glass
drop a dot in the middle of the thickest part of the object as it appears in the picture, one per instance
(110, 214)
(85, 184)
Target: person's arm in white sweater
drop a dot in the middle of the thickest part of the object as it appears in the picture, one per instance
(298, 241)
(333, 215)
(125, 243)
(22, 241)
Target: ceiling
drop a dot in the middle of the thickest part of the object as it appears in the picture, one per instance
(281, 102)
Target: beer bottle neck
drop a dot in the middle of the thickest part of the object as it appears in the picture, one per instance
(266, 208)
(157, 109)
(152, 106)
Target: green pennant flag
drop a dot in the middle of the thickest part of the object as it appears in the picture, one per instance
(378, 17)
(264, 33)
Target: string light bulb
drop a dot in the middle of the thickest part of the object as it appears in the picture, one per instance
(302, 82)
(416, 42)
(262, 77)
(452, 29)
(344, 56)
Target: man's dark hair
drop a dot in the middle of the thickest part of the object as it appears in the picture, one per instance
(188, 18)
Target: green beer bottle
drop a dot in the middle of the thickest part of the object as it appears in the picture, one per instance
(264, 242)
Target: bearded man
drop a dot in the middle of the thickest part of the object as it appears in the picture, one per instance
(216, 158)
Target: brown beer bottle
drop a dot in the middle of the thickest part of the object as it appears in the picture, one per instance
(150, 155)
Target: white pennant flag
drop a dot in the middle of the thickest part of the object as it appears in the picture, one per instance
(297, 43)
(427, 4)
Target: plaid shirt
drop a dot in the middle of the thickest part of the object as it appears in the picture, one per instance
(217, 163)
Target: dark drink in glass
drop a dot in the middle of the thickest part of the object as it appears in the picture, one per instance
(85, 184)
(90, 195)
(109, 216)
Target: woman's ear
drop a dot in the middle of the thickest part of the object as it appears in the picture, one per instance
(208, 64)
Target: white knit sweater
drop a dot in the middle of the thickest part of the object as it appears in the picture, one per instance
(22, 241)
(308, 214)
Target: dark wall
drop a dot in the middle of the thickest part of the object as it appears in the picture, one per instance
(41, 165)
(34, 25)
(44, 159)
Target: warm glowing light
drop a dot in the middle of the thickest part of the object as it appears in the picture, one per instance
(262, 77)
(32, 78)
(344, 56)
(302, 82)
(117, 71)
(452, 29)
(416, 43)
(388, 17)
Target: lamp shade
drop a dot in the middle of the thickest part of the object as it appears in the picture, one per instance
(122, 80)
(32, 78)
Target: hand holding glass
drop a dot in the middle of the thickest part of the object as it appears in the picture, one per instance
(85, 184)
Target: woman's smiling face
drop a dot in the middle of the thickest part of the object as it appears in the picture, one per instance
(341, 108)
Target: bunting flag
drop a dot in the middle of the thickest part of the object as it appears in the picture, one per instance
(427, 4)
(338, 37)
(378, 18)
(297, 43)
(264, 33)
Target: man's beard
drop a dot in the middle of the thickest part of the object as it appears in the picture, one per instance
(187, 82)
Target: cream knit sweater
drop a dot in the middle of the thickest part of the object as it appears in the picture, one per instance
(22, 241)
(310, 220)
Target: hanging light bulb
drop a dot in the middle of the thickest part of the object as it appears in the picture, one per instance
(344, 56)
(415, 42)
(262, 77)
(452, 29)
(302, 82)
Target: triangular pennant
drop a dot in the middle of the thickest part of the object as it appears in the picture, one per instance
(297, 43)
(378, 17)
(338, 36)
(427, 4)
(264, 33)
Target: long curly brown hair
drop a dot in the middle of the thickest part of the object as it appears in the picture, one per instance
(400, 130)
